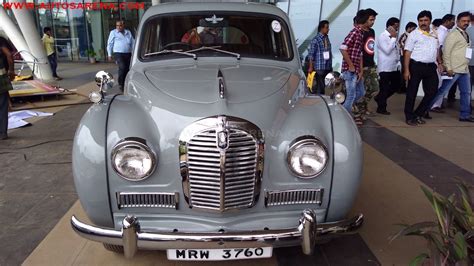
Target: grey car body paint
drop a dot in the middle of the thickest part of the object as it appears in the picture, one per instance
(88, 164)
(164, 96)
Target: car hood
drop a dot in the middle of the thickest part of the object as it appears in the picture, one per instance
(242, 83)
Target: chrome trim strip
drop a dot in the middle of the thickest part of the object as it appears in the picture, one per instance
(293, 197)
(147, 200)
(221, 85)
(305, 234)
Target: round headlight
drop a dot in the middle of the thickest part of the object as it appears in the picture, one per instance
(133, 160)
(307, 157)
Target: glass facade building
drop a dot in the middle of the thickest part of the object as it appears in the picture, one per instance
(78, 31)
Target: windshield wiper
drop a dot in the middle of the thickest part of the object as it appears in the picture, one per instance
(173, 52)
(214, 48)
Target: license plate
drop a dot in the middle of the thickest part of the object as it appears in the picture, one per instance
(219, 254)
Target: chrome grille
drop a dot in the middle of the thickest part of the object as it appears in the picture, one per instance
(147, 200)
(221, 179)
(291, 197)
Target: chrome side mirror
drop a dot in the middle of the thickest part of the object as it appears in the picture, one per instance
(335, 82)
(104, 81)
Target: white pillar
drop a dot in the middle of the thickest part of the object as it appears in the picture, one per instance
(155, 2)
(15, 36)
(32, 37)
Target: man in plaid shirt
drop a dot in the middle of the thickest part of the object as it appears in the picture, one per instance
(320, 56)
(352, 65)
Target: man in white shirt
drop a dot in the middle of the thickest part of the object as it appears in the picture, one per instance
(421, 52)
(387, 64)
(447, 23)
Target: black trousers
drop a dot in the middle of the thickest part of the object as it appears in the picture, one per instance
(319, 86)
(389, 84)
(420, 72)
(123, 62)
(403, 86)
(4, 114)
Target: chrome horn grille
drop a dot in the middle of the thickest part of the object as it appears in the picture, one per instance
(147, 200)
(296, 196)
(221, 161)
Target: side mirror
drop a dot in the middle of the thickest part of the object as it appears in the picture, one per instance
(335, 82)
(331, 78)
(104, 81)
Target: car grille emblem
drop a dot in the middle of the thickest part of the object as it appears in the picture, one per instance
(222, 136)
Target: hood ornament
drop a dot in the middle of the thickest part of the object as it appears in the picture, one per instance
(221, 85)
(214, 19)
(222, 133)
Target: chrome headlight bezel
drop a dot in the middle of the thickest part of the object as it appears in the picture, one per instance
(136, 143)
(306, 141)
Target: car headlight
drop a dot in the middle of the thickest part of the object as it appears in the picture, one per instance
(307, 157)
(133, 160)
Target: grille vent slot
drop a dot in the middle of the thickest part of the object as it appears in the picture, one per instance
(147, 200)
(293, 197)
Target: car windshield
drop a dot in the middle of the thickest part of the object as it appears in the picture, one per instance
(216, 34)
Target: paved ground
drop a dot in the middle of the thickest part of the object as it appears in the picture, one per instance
(37, 195)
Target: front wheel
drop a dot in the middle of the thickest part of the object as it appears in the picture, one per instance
(113, 248)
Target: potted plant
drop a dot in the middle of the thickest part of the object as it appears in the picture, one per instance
(450, 238)
(91, 53)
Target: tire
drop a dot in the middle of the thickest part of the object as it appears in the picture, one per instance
(113, 248)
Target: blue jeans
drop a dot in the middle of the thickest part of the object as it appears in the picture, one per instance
(354, 89)
(464, 85)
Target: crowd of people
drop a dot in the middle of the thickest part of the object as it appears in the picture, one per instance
(436, 53)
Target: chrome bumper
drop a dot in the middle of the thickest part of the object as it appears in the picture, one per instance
(132, 239)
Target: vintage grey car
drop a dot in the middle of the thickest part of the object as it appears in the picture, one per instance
(214, 151)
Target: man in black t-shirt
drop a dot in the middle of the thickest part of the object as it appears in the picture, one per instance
(370, 70)
(6, 75)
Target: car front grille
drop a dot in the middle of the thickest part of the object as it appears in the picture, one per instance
(222, 179)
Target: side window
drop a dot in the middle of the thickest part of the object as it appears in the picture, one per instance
(151, 40)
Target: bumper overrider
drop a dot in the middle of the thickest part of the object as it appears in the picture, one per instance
(132, 238)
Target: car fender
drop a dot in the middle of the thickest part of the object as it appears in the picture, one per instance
(348, 161)
(89, 163)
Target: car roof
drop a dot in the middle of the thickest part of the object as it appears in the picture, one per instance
(165, 8)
